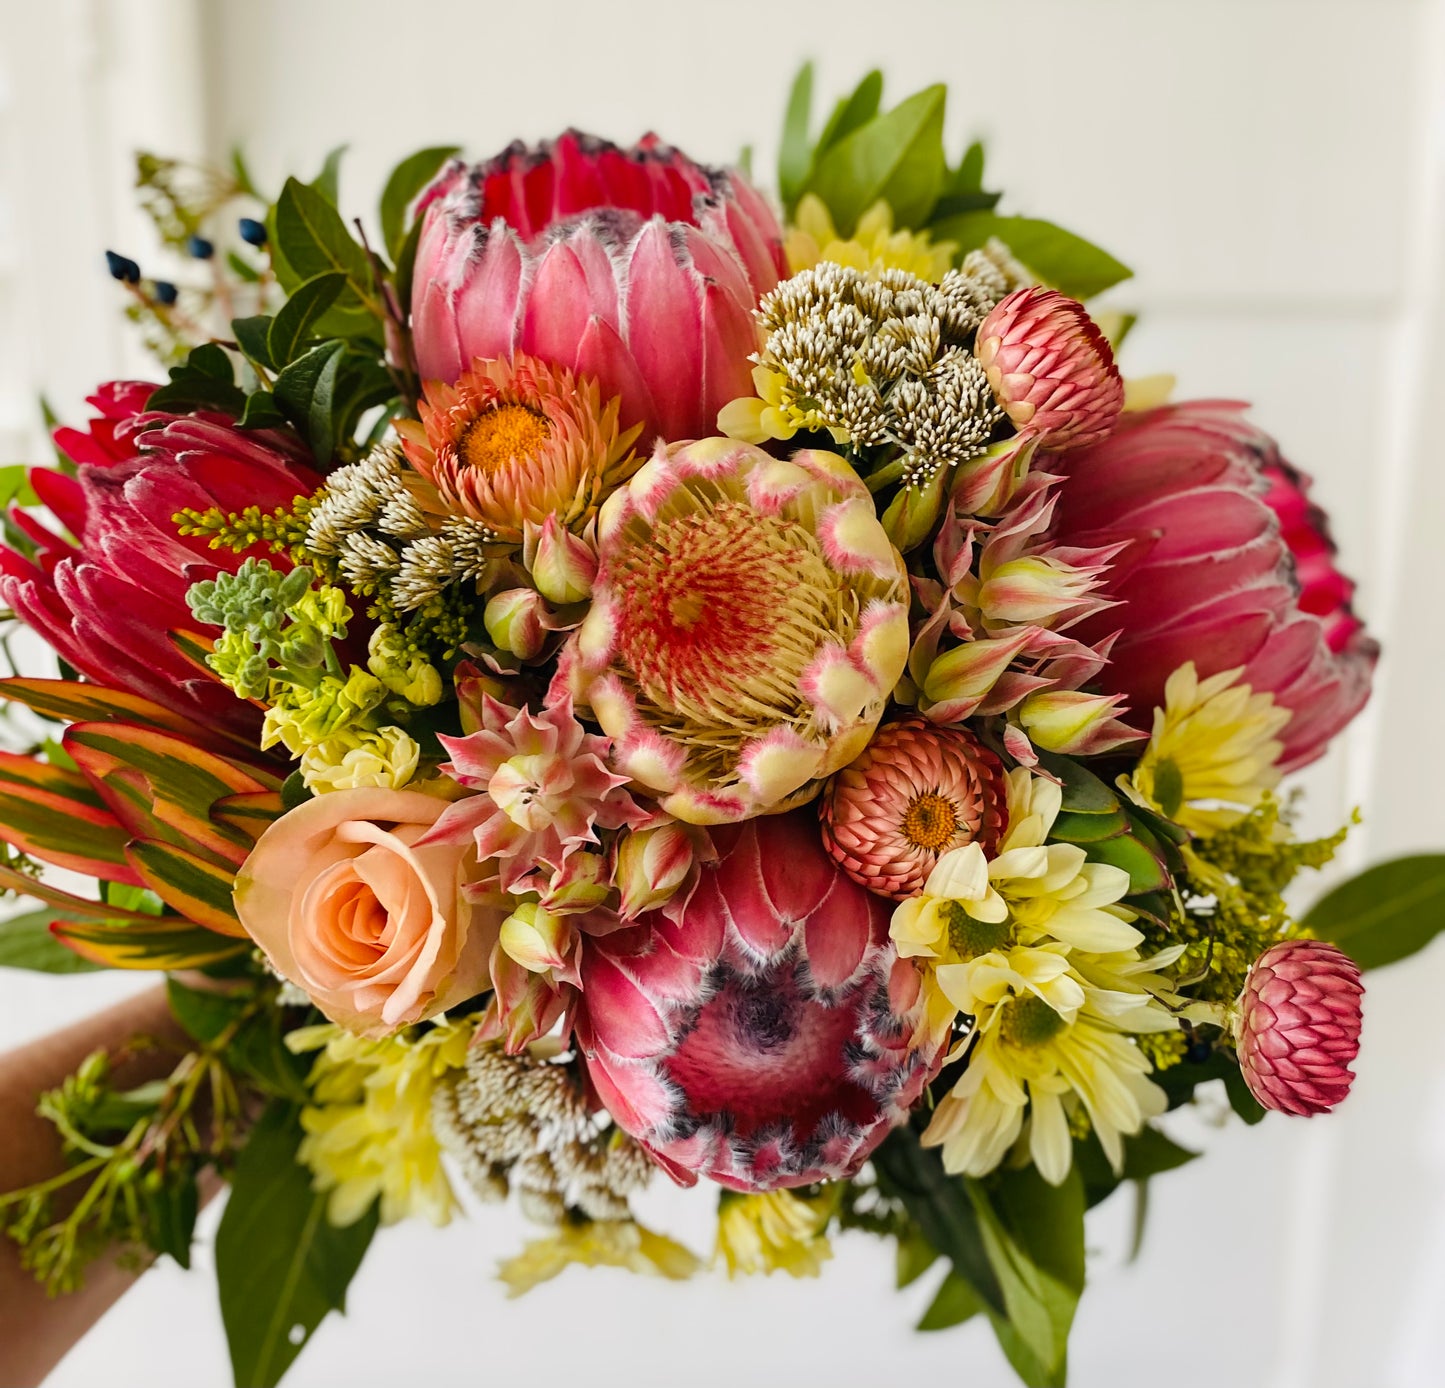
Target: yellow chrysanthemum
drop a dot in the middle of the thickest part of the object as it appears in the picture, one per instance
(368, 1128)
(1211, 756)
(777, 1231)
(614, 1243)
(874, 245)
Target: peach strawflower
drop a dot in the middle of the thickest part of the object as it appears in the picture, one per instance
(518, 441)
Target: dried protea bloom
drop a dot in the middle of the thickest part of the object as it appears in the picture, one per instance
(1051, 368)
(1297, 1026)
(763, 1037)
(518, 441)
(749, 620)
(918, 791)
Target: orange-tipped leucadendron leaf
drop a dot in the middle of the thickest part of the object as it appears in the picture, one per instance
(66, 903)
(73, 701)
(161, 787)
(252, 814)
(54, 814)
(161, 942)
(194, 886)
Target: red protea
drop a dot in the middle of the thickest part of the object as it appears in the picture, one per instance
(108, 601)
(1298, 1026)
(1051, 368)
(917, 791)
(1224, 563)
(761, 1038)
(636, 268)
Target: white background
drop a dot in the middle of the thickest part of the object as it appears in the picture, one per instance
(1275, 171)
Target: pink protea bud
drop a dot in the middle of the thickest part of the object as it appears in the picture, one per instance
(517, 621)
(1051, 368)
(1298, 1026)
(917, 792)
(651, 865)
(562, 564)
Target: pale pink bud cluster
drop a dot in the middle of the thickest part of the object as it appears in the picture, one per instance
(1051, 368)
(1298, 1026)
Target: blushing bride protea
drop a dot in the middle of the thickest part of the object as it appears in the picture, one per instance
(762, 1038)
(749, 621)
(635, 267)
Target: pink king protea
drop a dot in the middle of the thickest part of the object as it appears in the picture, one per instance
(1051, 368)
(1223, 562)
(636, 268)
(918, 791)
(108, 602)
(763, 1037)
(1298, 1026)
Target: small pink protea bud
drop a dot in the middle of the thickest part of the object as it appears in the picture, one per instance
(1298, 1026)
(1051, 368)
(917, 792)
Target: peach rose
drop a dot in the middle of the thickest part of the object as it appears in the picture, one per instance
(374, 927)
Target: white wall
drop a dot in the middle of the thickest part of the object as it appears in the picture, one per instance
(1273, 169)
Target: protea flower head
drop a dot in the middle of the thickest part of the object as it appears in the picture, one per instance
(636, 268)
(1224, 563)
(1298, 1026)
(918, 791)
(108, 438)
(543, 790)
(108, 602)
(749, 620)
(513, 443)
(1051, 368)
(762, 1037)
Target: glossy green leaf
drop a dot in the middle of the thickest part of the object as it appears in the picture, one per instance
(305, 391)
(852, 112)
(404, 184)
(1146, 872)
(914, 1256)
(1058, 257)
(206, 380)
(942, 1208)
(954, 1303)
(968, 176)
(292, 325)
(314, 240)
(26, 943)
(897, 157)
(794, 150)
(1070, 826)
(1083, 792)
(252, 337)
(281, 1266)
(261, 412)
(1387, 913)
(328, 181)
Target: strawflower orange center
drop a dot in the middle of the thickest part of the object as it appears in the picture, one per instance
(501, 434)
(930, 821)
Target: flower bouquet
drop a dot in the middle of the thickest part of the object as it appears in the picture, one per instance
(584, 676)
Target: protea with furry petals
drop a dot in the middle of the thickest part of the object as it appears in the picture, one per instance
(762, 1038)
(108, 602)
(634, 267)
(1224, 563)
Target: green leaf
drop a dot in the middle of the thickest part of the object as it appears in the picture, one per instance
(1147, 1154)
(406, 265)
(242, 173)
(328, 181)
(853, 112)
(15, 488)
(313, 239)
(1146, 872)
(292, 325)
(280, 1265)
(915, 1256)
(202, 1014)
(206, 380)
(955, 1303)
(941, 1205)
(968, 176)
(1034, 1233)
(251, 336)
(243, 269)
(402, 187)
(172, 1202)
(261, 412)
(897, 157)
(1387, 913)
(794, 154)
(26, 943)
(1058, 257)
(304, 391)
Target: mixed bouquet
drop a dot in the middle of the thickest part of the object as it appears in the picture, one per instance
(580, 676)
